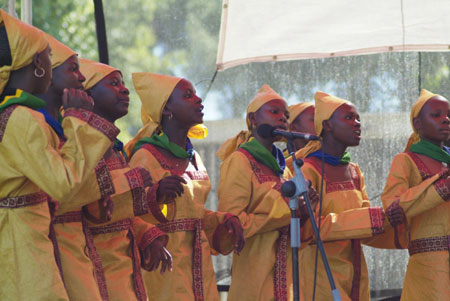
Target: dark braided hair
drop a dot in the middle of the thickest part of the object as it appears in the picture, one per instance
(5, 50)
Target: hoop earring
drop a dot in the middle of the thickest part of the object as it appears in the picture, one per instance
(39, 75)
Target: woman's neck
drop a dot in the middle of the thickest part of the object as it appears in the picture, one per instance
(176, 134)
(53, 102)
(333, 147)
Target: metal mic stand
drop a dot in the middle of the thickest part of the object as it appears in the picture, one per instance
(293, 189)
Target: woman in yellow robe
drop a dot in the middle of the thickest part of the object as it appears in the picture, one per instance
(344, 200)
(118, 242)
(249, 187)
(418, 178)
(34, 167)
(170, 111)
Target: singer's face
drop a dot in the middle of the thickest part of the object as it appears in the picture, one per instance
(345, 125)
(433, 123)
(274, 112)
(304, 122)
(185, 105)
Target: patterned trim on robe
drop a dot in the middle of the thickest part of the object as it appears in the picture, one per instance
(127, 225)
(176, 165)
(280, 288)
(356, 282)
(149, 236)
(265, 174)
(353, 184)
(104, 179)
(95, 121)
(262, 172)
(52, 206)
(76, 217)
(196, 225)
(429, 244)
(136, 183)
(377, 217)
(4, 117)
(24, 200)
(442, 189)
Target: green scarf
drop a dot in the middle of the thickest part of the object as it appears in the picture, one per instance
(162, 141)
(261, 154)
(431, 150)
(22, 98)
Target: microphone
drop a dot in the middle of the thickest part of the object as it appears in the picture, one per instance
(266, 131)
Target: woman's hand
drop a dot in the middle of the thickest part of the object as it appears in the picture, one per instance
(155, 254)
(77, 99)
(169, 188)
(234, 227)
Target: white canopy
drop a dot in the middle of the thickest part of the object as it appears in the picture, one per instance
(274, 30)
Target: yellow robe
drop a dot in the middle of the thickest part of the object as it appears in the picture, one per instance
(33, 167)
(346, 219)
(190, 233)
(118, 244)
(81, 260)
(410, 190)
(251, 191)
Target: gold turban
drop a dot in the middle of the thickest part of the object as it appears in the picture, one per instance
(325, 106)
(424, 96)
(297, 109)
(24, 41)
(94, 72)
(154, 91)
(264, 95)
(60, 52)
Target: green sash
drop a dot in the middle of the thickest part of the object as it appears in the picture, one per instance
(431, 150)
(22, 98)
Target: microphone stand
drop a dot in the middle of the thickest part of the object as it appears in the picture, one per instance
(293, 189)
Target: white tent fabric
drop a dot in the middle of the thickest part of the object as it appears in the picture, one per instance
(275, 30)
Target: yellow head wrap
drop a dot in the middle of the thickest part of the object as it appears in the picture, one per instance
(264, 95)
(297, 109)
(154, 91)
(24, 41)
(94, 72)
(424, 96)
(60, 52)
(325, 106)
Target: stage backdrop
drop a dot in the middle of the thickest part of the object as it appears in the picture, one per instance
(268, 30)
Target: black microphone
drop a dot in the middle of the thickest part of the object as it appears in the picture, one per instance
(266, 131)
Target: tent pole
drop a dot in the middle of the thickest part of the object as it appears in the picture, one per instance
(100, 28)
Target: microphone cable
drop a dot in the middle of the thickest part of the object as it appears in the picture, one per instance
(322, 173)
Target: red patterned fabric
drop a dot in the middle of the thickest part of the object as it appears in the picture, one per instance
(377, 220)
(140, 202)
(104, 179)
(24, 200)
(356, 248)
(98, 123)
(4, 117)
(280, 288)
(149, 236)
(176, 165)
(195, 225)
(429, 244)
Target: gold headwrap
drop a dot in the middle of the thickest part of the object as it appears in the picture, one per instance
(297, 109)
(424, 96)
(94, 72)
(154, 91)
(264, 95)
(325, 106)
(24, 41)
(60, 52)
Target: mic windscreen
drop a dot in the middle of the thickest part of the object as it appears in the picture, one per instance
(265, 130)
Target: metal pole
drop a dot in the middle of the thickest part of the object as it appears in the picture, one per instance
(26, 11)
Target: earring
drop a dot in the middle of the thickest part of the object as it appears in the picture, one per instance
(170, 116)
(39, 75)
